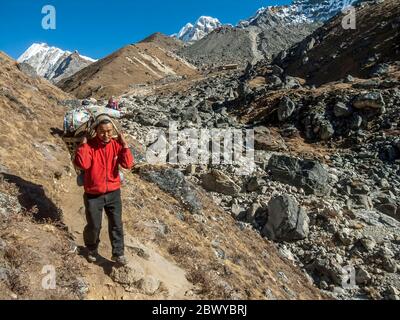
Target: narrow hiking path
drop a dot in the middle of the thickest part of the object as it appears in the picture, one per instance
(173, 282)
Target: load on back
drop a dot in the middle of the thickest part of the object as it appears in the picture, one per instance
(81, 121)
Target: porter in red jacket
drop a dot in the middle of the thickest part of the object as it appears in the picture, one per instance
(100, 162)
(100, 159)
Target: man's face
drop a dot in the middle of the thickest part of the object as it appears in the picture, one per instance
(105, 132)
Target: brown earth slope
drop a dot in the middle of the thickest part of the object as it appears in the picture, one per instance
(169, 43)
(171, 246)
(29, 160)
(141, 63)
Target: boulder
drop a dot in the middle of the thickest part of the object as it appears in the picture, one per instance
(274, 81)
(217, 181)
(356, 121)
(307, 174)
(292, 83)
(341, 110)
(174, 182)
(237, 211)
(326, 130)
(149, 285)
(329, 269)
(370, 100)
(360, 201)
(264, 140)
(255, 184)
(190, 114)
(286, 108)
(349, 78)
(287, 221)
(389, 208)
(380, 70)
(128, 276)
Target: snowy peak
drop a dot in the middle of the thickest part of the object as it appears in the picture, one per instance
(185, 31)
(53, 63)
(300, 11)
(203, 26)
(42, 57)
(321, 10)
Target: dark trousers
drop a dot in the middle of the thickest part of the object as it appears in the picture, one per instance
(112, 205)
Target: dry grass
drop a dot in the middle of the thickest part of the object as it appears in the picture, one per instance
(251, 263)
(28, 248)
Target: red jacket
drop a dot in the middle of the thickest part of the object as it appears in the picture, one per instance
(100, 162)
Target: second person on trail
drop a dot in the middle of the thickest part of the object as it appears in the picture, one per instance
(113, 104)
(100, 158)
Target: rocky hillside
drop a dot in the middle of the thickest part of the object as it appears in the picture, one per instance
(331, 52)
(225, 45)
(178, 240)
(266, 35)
(330, 205)
(338, 201)
(325, 187)
(53, 63)
(137, 64)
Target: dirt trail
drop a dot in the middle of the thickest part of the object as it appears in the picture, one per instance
(174, 282)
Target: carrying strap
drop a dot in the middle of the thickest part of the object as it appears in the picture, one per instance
(102, 117)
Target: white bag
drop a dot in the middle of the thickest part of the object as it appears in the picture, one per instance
(76, 118)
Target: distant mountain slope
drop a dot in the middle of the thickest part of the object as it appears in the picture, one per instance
(53, 63)
(269, 31)
(169, 43)
(141, 63)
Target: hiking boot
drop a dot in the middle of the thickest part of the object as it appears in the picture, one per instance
(120, 260)
(92, 256)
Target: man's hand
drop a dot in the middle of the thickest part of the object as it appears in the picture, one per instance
(122, 140)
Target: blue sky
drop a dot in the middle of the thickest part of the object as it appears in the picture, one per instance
(96, 28)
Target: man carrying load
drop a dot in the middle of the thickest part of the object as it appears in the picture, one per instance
(99, 158)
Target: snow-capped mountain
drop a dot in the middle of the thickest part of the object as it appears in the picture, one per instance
(300, 11)
(203, 26)
(53, 63)
(321, 10)
(269, 31)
